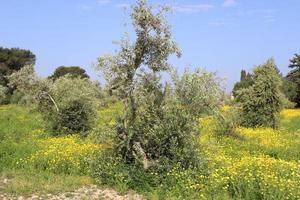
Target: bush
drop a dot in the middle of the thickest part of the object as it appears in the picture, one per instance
(261, 102)
(162, 133)
(108, 169)
(19, 98)
(69, 104)
(176, 183)
(227, 120)
(74, 118)
(75, 99)
(199, 92)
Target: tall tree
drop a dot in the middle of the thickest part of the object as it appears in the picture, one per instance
(262, 101)
(73, 71)
(132, 66)
(12, 60)
(246, 80)
(243, 75)
(294, 76)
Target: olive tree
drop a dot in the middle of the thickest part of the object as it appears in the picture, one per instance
(133, 73)
(68, 104)
(198, 92)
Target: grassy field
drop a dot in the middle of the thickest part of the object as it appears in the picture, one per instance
(260, 163)
(22, 139)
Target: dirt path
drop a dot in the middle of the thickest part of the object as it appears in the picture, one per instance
(92, 192)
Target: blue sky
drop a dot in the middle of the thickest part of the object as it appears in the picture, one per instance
(220, 35)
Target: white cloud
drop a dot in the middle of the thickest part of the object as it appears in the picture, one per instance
(122, 5)
(267, 15)
(191, 8)
(229, 3)
(267, 11)
(103, 2)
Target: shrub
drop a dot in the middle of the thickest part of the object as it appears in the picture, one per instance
(227, 120)
(177, 183)
(261, 102)
(162, 133)
(68, 104)
(199, 92)
(108, 169)
(76, 102)
(18, 98)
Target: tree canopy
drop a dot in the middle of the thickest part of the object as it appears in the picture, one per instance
(294, 76)
(262, 101)
(72, 71)
(246, 80)
(12, 60)
(68, 104)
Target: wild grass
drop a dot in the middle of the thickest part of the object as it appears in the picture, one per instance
(23, 182)
(261, 163)
(17, 139)
(35, 162)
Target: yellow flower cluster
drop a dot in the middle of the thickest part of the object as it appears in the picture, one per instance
(244, 168)
(67, 154)
(225, 108)
(290, 113)
(264, 136)
(258, 175)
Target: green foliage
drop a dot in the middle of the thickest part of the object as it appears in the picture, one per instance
(295, 62)
(155, 133)
(262, 101)
(72, 71)
(76, 101)
(17, 139)
(165, 133)
(134, 74)
(2, 94)
(12, 60)
(109, 169)
(245, 82)
(74, 118)
(176, 183)
(294, 77)
(199, 92)
(290, 90)
(68, 104)
(18, 97)
(230, 168)
(227, 121)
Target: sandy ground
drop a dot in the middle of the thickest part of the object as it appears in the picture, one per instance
(85, 193)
